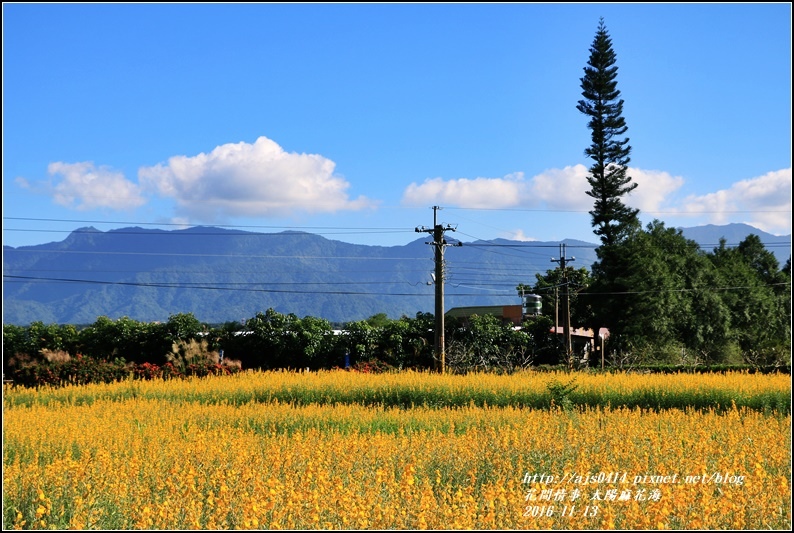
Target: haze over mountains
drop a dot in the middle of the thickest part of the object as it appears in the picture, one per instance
(224, 275)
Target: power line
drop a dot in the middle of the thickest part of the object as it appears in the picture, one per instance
(184, 224)
(29, 279)
(219, 284)
(694, 289)
(484, 243)
(174, 254)
(594, 246)
(528, 210)
(164, 270)
(322, 230)
(325, 231)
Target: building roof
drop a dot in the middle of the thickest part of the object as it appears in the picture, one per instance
(462, 312)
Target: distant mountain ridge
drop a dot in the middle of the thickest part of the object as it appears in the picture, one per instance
(223, 275)
(709, 236)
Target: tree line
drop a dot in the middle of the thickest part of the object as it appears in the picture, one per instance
(661, 297)
(272, 340)
(672, 303)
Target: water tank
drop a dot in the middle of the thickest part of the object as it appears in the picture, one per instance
(531, 305)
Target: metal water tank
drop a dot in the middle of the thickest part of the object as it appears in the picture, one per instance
(531, 305)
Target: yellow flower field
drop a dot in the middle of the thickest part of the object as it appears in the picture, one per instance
(185, 455)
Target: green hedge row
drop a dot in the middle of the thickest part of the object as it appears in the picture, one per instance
(83, 370)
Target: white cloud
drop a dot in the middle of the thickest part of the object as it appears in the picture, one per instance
(243, 179)
(768, 197)
(83, 186)
(519, 235)
(653, 189)
(561, 189)
(763, 202)
(477, 193)
(565, 189)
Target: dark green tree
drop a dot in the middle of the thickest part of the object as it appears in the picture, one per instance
(613, 221)
(378, 320)
(403, 343)
(183, 327)
(125, 338)
(28, 344)
(671, 313)
(759, 298)
(761, 260)
(311, 343)
(487, 343)
(609, 151)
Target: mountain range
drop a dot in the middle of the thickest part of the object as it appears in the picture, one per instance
(223, 275)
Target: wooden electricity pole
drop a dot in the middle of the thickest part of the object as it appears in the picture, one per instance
(439, 243)
(566, 315)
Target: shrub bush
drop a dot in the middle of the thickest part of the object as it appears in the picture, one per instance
(83, 370)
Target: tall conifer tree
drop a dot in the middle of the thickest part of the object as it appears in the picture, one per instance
(608, 177)
(612, 220)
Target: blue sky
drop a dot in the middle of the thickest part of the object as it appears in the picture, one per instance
(353, 120)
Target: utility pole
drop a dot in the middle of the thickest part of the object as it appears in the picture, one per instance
(439, 242)
(566, 316)
(556, 308)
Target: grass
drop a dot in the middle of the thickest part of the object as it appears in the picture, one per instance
(407, 390)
